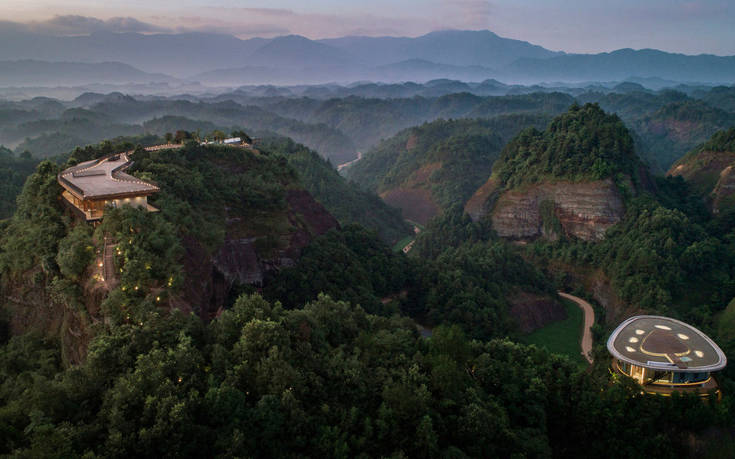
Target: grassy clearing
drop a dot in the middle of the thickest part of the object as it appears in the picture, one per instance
(562, 337)
(402, 243)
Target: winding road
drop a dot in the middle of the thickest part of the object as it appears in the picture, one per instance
(589, 320)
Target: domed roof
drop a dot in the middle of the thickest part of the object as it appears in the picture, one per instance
(664, 343)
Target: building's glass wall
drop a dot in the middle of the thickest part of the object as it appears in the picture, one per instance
(660, 376)
(684, 378)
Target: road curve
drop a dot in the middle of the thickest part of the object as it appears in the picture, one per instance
(589, 320)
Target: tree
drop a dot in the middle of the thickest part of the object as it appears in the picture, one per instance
(218, 135)
(243, 136)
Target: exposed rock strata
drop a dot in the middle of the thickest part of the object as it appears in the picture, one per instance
(581, 210)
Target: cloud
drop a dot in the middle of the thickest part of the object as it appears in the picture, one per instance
(269, 22)
(84, 25)
(237, 28)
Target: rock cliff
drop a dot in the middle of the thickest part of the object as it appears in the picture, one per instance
(237, 218)
(567, 180)
(581, 210)
(245, 260)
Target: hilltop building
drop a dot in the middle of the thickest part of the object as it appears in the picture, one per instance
(91, 186)
(665, 355)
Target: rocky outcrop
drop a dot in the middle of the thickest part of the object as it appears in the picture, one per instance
(581, 210)
(724, 193)
(533, 311)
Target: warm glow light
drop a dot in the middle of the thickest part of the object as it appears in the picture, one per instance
(633, 339)
(699, 354)
(629, 349)
(682, 336)
(639, 332)
(662, 327)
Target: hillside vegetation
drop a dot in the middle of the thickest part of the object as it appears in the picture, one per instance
(347, 203)
(583, 144)
(13, 173)
(439, 163)
(708, 170)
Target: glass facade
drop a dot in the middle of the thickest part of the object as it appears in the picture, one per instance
(660, 376)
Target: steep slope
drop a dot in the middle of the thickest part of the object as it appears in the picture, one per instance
(564, 181)
(13, 173)
(345, 201)
(427, 169)
(229, 218)
(678, 127)
(710, 170)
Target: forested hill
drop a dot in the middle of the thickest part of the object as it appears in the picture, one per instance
(121, 367)
(583, 144)
(427, 169)
(219, 207)
(345, 201)
(570, 179)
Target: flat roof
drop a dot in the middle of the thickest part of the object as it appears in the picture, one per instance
(104, 178)
(663, 343)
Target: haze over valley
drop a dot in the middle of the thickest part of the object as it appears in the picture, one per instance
(348, 229)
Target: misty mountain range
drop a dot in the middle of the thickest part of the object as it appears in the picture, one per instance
(35, 59)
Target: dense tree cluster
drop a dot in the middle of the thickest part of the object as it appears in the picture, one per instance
(584, 143)
(13, 173)
(324, 380)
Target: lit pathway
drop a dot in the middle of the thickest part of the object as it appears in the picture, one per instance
(589, 320)
(109, 264)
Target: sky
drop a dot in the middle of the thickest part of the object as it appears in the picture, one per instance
(583, 26)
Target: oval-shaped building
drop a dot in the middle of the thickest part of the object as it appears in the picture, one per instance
(666, 355)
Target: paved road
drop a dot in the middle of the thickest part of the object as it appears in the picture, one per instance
(589, 320)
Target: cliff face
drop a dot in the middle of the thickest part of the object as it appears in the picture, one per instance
(711, 175)
(581, 210)
(249, 260)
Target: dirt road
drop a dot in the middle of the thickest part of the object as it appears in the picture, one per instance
(589, 320)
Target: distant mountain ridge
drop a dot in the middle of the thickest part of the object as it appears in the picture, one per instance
(33, 72)
(220, 59)
(625, 63)
(450, 47)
